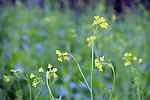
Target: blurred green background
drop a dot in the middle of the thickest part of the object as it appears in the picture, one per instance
(32, 30)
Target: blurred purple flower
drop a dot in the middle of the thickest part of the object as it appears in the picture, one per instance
(77, 95)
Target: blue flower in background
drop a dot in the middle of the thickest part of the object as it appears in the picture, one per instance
(72, 85)
(39, 48)
(77, 95)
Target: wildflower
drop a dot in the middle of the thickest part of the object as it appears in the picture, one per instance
(59, 53)
(34, 84)
(32, 75)
(102, 58)
(98, 63)
(94, 23)
(62, 56)
(140, 60)
(65, 54)
(100, 68)
(6, 78)
(104, 25)
(55, 75)
(130, 54)
(49, 66)
(66, 58)
(55, 70)
(60, 59)
(126, 64)
(135, 58)
(96, 17)
(126, 54)
(41, 69)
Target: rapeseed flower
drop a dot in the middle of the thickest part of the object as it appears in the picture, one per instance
(135, 58)
(34, 84)
(41, 69)
(62, 56)
(98, 63)
(100, 21)
(32, 75)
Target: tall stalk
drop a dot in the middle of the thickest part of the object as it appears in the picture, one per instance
(82, 75)
(49, 90)
(92, 63)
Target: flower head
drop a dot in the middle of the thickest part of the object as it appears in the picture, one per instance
(6, 78)
(41, 69)
(32, 75)
(102, 58)
(140, 60)
(34, 84)
(58, 53)
(49, 66)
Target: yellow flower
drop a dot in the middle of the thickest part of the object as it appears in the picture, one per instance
(92, 37)
(104, 25)
(60, 59)
(32, 75)
(55, 75)
(123, 58)
(102, 58)
(135, 58)
(55, 70)
(126, 54)
(94, 23)
(6, 78)
(41, 69)
(140, 60)
(126, 64)
(130, 54)
(65, 54)
(59, 53)
(96, 62)
(34, 84)
(100, 68)
(96, 17)
(66, 58)
(87, 39)
(49, 66)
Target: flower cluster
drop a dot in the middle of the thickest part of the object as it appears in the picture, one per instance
(98, 63)
(89, 40)
(6, 78)
(38, 78)
(100, 21)
(129, 58)
(62, 56)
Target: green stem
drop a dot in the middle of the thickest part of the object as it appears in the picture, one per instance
(37, 96)
(49, 90)
(29, 85)
(92, 63)
(81, 73)
(20, 91)
(113, 82)
(138, 93)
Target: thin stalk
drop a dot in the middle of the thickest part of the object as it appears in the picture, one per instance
(49, 90)
(92, 63)
(37, 96)
(138, 93)
(113, 82)
(29, 85)
(81, 73)
(20, 91)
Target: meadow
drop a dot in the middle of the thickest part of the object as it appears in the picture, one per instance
(48, 54)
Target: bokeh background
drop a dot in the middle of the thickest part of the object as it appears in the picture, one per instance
(32, 30)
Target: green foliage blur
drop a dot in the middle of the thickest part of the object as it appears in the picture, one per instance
(29, 37)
